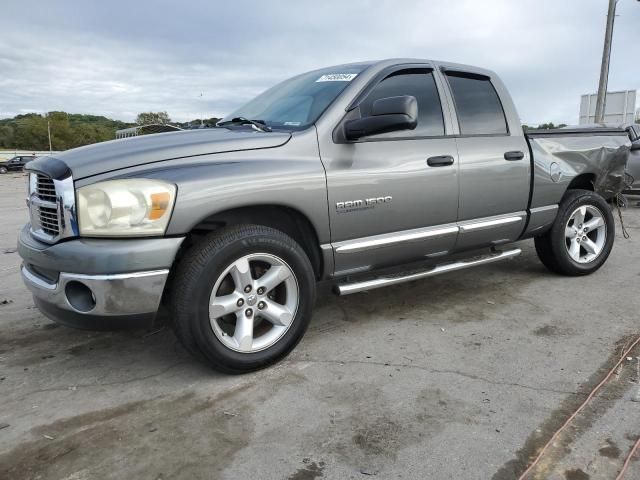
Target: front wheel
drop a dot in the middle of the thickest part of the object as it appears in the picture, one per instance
(581, 237)
(242, 298)
(3, 170)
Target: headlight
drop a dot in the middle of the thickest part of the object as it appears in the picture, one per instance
(131, 207)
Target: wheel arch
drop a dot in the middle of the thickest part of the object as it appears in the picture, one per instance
(280, 217)
(584, 181)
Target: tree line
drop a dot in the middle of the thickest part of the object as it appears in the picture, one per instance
(545, 126)
(162, 118)
(70, 130)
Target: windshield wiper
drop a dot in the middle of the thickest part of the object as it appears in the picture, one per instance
(259, 124)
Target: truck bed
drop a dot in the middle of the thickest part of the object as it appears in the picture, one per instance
(561, 155)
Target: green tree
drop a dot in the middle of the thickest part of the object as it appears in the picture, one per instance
(62, 136)
(31, 132)
(544, 126)
(149, 118)
(7, 136)
(68, 130)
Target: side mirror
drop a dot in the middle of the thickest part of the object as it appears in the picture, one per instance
(387, 115)
(635, 146)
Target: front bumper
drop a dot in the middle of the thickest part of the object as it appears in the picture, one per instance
(98, 284)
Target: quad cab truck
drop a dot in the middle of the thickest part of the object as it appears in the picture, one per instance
(16, 163)
(364, 175)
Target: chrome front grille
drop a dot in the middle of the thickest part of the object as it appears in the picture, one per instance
(49, 220)
(44, 208)
(45, 188)
(51, 208)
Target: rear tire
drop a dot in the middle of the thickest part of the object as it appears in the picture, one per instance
(581, 237)
(242, 298)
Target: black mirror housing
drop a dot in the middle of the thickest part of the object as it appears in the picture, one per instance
(402, 105)
(387, 115)
(635, 146)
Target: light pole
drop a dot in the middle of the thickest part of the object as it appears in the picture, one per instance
(49, 133)
(604, 69)
(601, 102)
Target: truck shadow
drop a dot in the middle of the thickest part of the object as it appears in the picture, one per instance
(465, 296)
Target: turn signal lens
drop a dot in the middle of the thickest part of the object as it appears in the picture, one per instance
(159, 205)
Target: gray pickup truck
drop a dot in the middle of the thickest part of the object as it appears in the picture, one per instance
(364, 175)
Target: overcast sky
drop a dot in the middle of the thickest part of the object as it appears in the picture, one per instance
(204, 58)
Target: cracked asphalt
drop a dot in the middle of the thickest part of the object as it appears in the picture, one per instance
(463, 376)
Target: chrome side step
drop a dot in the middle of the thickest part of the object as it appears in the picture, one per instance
(385, 281)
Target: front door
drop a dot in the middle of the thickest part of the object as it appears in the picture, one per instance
(393, 197)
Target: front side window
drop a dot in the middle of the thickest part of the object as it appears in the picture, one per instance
(418, 83)
(477, 104)
(298, 102)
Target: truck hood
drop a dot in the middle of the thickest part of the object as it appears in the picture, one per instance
(117, 154)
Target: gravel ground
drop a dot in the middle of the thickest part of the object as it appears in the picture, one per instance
(461, 376)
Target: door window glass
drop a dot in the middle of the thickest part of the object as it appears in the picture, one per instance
(477, 105)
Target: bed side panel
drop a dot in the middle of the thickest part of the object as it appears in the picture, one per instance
(558, 159)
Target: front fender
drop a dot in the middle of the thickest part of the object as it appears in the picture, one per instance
(290, 175)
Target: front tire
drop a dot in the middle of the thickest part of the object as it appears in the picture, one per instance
(242, 298)
(3, 170)
(581, 237)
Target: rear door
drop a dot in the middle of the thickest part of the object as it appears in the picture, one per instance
(494, 164)
(388, 203)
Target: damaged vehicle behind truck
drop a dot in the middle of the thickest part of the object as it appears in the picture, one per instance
(364, 175)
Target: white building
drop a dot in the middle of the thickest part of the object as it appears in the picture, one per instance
(620, 107)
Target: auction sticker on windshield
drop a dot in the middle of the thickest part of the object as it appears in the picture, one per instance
(337, 77)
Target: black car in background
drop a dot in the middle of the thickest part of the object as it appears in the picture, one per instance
(16, 163)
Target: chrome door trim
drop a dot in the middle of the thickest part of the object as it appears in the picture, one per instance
(384, 240)
(394, 238)
(544, 209)
(491, 222)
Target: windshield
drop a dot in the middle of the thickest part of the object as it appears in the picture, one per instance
(298, 102)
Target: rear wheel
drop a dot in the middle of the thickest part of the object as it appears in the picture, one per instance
(581, 238)
(242, 297)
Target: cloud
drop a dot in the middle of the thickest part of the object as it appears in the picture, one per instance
(200, 59)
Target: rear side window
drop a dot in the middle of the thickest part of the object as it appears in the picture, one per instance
(418, 83)
(477, 104)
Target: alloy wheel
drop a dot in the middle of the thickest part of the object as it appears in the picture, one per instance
(585, 234)
(253, 302)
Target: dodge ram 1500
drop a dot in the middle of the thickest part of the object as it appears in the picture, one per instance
(364, 175)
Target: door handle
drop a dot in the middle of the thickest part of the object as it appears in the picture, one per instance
(440, 161)
(514, 155)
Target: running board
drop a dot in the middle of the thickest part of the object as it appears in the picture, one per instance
(385, 281)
